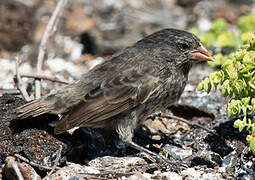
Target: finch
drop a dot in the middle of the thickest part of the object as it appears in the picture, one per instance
(120, 93)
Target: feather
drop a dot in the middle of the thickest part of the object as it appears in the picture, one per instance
(111, 98)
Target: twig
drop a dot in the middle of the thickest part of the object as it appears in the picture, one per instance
(34, 164)
(43, 43)
(45, 78)
(17, 171)
(9, 91)
(55, 162)
(106, 174)
(12, 166)
(19, 82)
(170, 116)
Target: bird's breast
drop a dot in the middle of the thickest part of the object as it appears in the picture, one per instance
(173, 89)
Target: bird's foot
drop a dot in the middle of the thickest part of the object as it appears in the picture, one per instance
(159, 159)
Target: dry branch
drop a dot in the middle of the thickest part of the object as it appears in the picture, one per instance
(20, 85)
(32, 163)
(44, 78)
(170, 116)
(49, 31)
(58, 155)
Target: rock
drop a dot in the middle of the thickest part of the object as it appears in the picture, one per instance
(117, 164)
(176, 152)
(208, 158)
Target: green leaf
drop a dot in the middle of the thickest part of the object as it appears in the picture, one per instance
(252, 44)
(234, 107)
(240, 54)
(249, 74)
(218, 26)
(208, 39)
(246, 23)
(242, 125)
(237, 123)
(218, 60)
(252, 107)
(232, 71)
(246, 36)
(228, 39)
(249, 58)
(237, 87)
(248, 124)
(252, 83)
(207, 85)
(200, 86)
(246, 101)
(217, 77)
(252, 145)
(225, 88)
(253, 127)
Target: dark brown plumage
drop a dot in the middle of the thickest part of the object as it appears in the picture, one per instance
(122, 92)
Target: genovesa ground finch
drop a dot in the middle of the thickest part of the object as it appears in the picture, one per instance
(122, 92)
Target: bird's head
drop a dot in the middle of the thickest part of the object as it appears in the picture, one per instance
(185, 48)
(190, 46)
(177, 46)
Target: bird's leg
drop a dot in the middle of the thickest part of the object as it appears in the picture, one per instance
(142, 149)
(177, 165)
(125, 129)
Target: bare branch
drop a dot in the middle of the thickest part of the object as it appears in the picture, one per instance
(32, 163)
(55, 162)
(42, 48)
(12, 164)
(20, 85)
(45, 78)
(171, 116)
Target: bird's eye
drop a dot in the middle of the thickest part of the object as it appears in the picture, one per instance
(184, 46)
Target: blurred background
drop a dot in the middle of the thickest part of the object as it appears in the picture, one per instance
(89, 31)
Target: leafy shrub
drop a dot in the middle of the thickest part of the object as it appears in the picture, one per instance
(236, 77)
(246, 23)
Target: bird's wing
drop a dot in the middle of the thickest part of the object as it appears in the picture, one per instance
(112, 97)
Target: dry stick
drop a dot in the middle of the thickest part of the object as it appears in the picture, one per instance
(55, 162)
(43, 43)
(19, 82)
(16, 170)
(33, 164)
(106, 173)
(170, 116)
(45, 78)
(9, 91)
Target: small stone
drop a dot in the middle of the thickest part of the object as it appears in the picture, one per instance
(58, 65)
(230, 160)
(191, 173)
(209, 158)
(176, 152)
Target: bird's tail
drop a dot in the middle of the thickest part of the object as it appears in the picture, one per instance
(34, 108)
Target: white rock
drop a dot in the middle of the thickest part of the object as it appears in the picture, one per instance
(95, 62)
(191, 173)
(58, 65)
(204, 24)
(211, 176)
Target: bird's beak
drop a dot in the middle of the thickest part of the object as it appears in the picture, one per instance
(201, 54)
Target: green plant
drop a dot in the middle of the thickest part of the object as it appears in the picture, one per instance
(236, 79)
(246, 23)
(218, 35)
